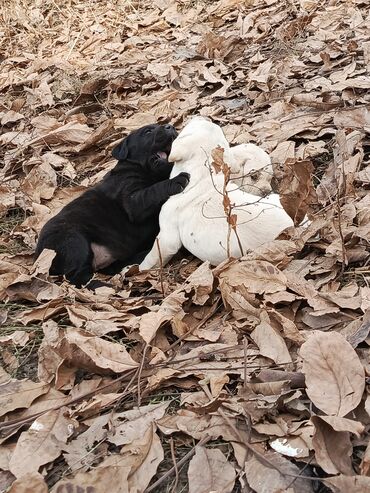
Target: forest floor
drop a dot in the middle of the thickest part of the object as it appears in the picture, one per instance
(252, 376)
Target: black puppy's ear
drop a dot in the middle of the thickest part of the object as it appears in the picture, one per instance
(120, 152)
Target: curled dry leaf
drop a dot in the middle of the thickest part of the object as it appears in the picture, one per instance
(43, 262)
(150, 322)
(29, 288)
(201, 282)
(333, 387)
(77, 349)
(16, 338)
(209, 470)
(296, 188)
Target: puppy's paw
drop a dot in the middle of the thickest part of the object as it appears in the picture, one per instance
(179, 183)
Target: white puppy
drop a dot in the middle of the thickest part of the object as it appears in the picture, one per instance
(251, 168)
(196, 218)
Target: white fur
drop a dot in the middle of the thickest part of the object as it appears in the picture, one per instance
(196, 218)
(251, 168)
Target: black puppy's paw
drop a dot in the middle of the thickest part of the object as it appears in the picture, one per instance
(160, 168)
(179, 183)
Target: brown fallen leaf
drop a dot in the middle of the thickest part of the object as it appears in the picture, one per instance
(333, 387)
(48, 435)
(344, 424)
(257, 276)
(103, 354)
(97, 135)
(345, 484)
(199, 426)
(333, 449)
(150, 322)
(11, 116)
(143, 455)
(6, 480)
(7, 199)
(110, 475)
(296, 189)
(70, 349)
(131, 425)
(16, 338)
(365, 463)
(29, 288)
(271, 344)
(264, 479)
(32, 482)
(201, 282)
(16, 394)
(42, 312)
(209, 470)
(78, 452)
(40, 183)
(43, 262)
(71, 132)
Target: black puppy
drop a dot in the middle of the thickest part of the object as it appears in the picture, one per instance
(115, 223)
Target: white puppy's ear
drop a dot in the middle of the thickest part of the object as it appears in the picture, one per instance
(234, 161)
(179, 150)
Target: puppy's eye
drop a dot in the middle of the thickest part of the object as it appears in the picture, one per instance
(254, 176)
(148, 131)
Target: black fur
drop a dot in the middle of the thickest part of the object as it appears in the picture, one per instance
(120, 213)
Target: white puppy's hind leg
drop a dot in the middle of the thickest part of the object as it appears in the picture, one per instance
(166, 245)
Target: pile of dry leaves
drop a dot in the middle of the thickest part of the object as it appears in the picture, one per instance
(247, 377)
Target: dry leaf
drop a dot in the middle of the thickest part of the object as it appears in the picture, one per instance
(264, 479)
(137, 422)
(143, 455)
(333, 449)
(345, 484)
(15, 394)
(16, 338)
(111, 475)
(150, 322)
(32, 482)
(271, 344)
(333, 387)
(257, 276)
(209, 470)
(48, 435)
(296, 189)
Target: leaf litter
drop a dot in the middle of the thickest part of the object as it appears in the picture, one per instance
(251, 376)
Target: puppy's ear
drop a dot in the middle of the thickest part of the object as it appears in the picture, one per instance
(179, 150)
(120, 152)
(233, 159)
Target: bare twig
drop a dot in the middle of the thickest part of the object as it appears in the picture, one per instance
(173, 455)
